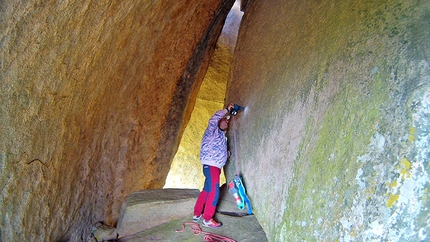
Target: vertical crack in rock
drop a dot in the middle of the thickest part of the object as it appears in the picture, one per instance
(187, 87)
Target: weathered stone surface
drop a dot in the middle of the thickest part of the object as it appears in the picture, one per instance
(238, 228)
(333, 145)
(185, 171)
(102, 232)
(94, 98)
(150, 208)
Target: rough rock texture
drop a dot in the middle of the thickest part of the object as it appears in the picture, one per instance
(334, 142)
(94, 98)
(235, 226)
(186, 171)
(149, 208)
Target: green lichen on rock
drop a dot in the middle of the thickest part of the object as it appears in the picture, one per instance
(329, 112)
(325, 174)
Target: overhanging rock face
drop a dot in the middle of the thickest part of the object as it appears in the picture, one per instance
(94, 98)
(149, 208)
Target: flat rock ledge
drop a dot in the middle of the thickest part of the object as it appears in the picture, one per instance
(149, 208)
(158, 215)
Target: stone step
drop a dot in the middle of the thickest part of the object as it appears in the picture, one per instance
(149, 208)
(237, 224)
(234, 228)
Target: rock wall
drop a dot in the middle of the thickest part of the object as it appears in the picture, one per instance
(186, 170)
(334, 142)
(94, 98)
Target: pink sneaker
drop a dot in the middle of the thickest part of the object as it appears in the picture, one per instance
(211, 223)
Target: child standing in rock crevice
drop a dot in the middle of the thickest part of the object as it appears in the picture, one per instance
(213, 156)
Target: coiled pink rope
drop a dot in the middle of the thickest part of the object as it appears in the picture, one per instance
(195, 227)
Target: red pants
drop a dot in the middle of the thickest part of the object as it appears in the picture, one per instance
(208, 198)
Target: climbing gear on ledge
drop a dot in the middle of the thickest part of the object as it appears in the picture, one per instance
(233, 191)
(208, 236)
(239, 189)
